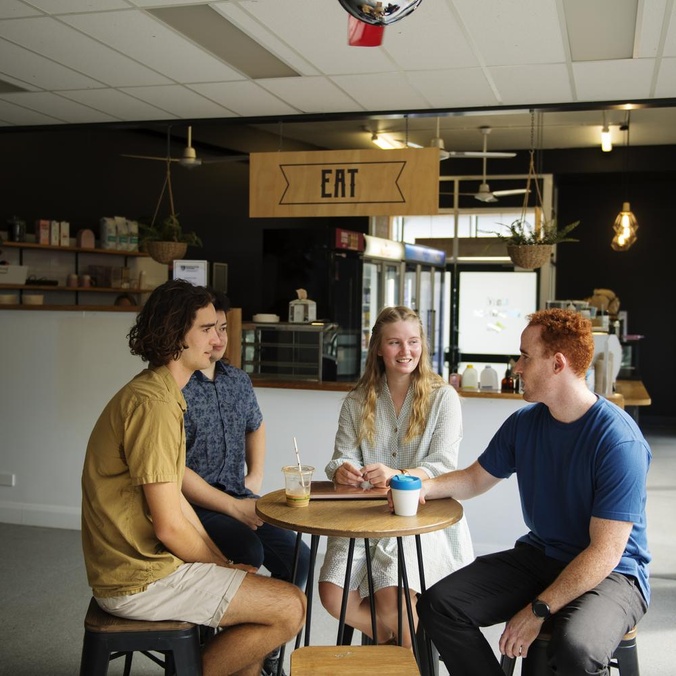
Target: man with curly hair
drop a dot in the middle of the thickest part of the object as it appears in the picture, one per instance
(581, 465)
(147, 555)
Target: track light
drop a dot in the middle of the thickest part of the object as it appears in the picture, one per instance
(386, 142)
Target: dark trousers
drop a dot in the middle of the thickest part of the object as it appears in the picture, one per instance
(267, 546)
(493, 588)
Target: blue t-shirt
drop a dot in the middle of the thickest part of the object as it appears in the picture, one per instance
(569, 472)
(220, 414)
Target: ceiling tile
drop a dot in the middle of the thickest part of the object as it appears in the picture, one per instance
(71, 48)
(150, 42)
(116, 103)
(381, 91)
(178, 101)
(247, 99)
(421, 44)
(650, 22)
(311, 94)
(55, 7)
(666, 79)
(670, 41)
(59, 108)
(454, 88)
(532, 84)
(504, 36)
(36, 71)
(12, 114)
(11, 9)
(613, 80)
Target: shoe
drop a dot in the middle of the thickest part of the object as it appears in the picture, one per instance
(271, 664)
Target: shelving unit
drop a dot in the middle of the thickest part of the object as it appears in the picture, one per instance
(75, 290)
(289, 351)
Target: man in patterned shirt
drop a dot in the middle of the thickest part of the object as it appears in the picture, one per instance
(225, 437)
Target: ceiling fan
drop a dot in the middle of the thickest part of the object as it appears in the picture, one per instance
(189, 158)
(484, 193)
(438, 142)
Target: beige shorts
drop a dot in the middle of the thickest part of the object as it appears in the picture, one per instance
(195, 592)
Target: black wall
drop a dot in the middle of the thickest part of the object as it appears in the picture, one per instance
(78, 175)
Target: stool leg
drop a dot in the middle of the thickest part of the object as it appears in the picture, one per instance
(95, 656)
(186, 655)
(625, 659)
(507, 664)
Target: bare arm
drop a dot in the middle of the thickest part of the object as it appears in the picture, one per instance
(460, 484)
(200, 493)
(177, 526)
(255, 459)
(608, 540)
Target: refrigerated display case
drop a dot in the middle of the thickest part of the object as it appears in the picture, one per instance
(382, 286)
(424, 293)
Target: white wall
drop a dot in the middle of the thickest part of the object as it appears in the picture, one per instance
(59, 369)
(57, 372)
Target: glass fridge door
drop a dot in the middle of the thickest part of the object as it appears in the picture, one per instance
(391, 284)
(369, 305)
(430, 297)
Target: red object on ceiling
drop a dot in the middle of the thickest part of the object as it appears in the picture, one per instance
(362, 34)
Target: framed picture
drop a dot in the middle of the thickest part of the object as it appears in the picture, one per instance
(195, 272)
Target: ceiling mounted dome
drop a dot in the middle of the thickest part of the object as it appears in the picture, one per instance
(379, 13)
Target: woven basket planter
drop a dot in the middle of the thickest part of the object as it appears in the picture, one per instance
(166, 252)
(530, 256)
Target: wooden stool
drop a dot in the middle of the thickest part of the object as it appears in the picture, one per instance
(624, 659)
(352, 660)
(108, 637)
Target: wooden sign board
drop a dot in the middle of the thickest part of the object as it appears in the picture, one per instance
(344, 183)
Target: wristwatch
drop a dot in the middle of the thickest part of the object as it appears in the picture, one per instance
(540, 609)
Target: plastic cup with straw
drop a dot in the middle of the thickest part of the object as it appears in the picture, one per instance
(297, 479)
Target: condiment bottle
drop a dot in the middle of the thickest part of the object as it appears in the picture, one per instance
(455, 380)
(470, 378)
(489, 379)
(507, 384)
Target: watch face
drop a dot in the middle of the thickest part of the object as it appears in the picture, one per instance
(540, 609)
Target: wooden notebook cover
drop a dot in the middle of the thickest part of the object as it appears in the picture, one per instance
(327, 490)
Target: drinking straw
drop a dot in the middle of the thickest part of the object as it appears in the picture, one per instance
(300, 467)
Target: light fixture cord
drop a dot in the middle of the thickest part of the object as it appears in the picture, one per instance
(167, 183)
(532, 174)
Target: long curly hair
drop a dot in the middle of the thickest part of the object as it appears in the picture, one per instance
(158, 336)
(423, 380)
(566, 332)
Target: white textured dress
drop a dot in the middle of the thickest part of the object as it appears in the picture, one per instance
(436, 452)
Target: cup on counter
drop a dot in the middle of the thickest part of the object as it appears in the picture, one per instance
(405, 494)
(297, 481)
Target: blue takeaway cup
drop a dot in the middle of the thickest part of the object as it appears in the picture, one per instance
(405, 494)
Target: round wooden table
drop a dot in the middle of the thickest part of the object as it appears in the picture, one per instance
(359, 519)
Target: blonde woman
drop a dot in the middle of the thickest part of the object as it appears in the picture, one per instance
(400, 417)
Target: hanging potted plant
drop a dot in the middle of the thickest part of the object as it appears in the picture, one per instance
(531, 246)
(166, 241)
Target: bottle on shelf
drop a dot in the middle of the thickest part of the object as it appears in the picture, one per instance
(470, 378)
(488, 379)
(455, 379)
(507, 384)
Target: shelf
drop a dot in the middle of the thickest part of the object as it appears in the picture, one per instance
(69, 289)
(73, 308)
(70, 249)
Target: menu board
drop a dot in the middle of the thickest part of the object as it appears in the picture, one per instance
(492, 310)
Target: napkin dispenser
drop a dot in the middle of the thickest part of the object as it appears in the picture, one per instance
(302, 310)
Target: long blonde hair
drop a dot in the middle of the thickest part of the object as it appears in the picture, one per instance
(423, 380)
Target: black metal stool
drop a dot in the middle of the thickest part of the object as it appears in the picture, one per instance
(108, 637)
(624, 659)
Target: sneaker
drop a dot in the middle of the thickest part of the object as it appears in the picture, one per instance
(271, 664)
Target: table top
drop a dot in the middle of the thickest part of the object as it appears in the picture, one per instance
(356, 518)
(634, 392)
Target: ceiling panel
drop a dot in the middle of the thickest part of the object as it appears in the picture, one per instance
(455, 88)
(381, 91)
(546, 83)
(119, 105)
(247, 99)
(311, 94)
(179, 101)
(614, 80)
(61, 109)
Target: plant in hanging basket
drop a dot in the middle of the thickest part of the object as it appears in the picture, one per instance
(166, 241)
(530, 247)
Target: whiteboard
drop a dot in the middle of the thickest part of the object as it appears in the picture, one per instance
(492, 310)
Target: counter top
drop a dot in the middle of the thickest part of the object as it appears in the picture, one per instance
(628, 392)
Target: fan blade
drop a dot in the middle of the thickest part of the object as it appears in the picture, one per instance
(504, 193)
(149, 157)
(478, 153)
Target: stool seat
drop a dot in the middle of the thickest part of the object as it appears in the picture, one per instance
(624, 659)
(108, 637)
(353, 660)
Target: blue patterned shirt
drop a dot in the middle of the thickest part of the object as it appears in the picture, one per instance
(220, 414)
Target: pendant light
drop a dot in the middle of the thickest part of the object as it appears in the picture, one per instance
(606, 138)
(625, 225)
